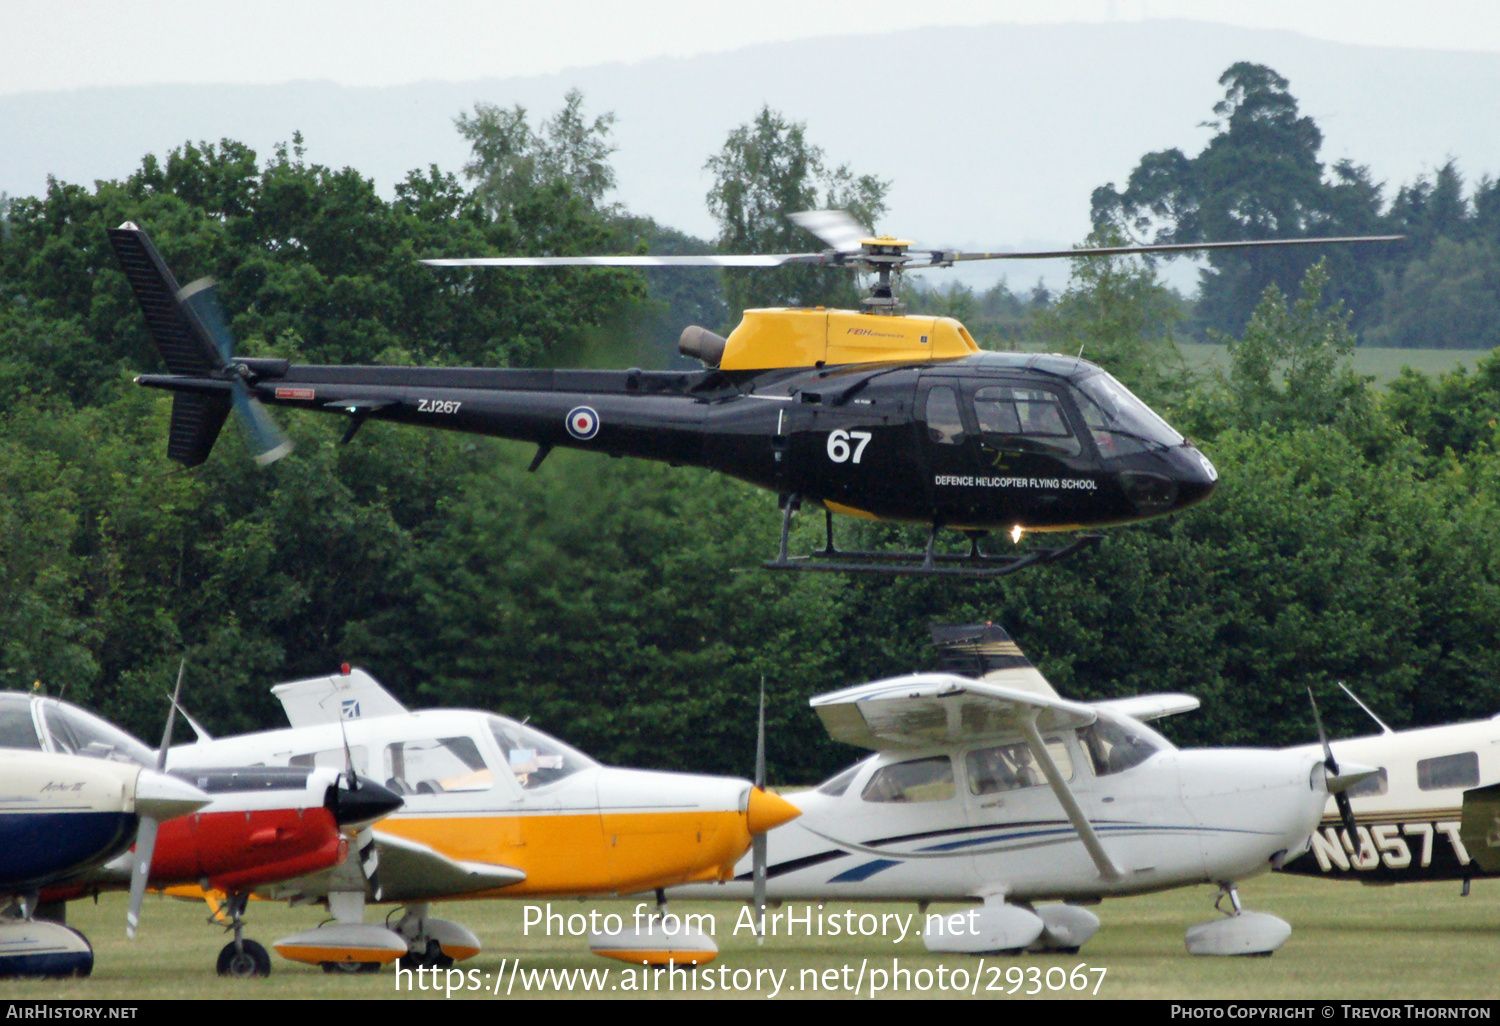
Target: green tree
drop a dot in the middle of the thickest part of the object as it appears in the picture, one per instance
(767, 170)
(1118, 313)
(1258, 177)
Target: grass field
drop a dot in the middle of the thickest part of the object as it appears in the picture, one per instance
(1381, 364)
(1348, 941)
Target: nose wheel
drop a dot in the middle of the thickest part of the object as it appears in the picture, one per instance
(240, 959)
(1239, 932)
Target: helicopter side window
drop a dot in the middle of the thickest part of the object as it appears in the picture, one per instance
(1011, 767)
(920, 780)
(436, 766)
(1028, 419)
(17, 730)
(944, 425)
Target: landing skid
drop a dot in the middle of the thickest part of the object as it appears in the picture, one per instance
(929, 563)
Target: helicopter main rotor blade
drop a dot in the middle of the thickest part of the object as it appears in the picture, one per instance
(1167, 247)
(745, 260)
(835, 227)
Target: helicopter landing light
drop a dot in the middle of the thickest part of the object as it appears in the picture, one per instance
(1015, 534)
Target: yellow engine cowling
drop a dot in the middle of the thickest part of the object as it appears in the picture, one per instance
(806, 338)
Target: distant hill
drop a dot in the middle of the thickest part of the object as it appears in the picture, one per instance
(993, 136)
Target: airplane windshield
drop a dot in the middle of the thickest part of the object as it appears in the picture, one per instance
(75, 732)
(1118, 745)
(1119, 422)
(536, 759)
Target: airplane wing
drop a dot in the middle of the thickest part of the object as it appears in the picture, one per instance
(927, 709)
(411, 871)
(391, 868)
(1480, 829)
(1149, 707)
(940, 708)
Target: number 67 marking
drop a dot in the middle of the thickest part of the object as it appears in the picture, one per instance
(838, 445)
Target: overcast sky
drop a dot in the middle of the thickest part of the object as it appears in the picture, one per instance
(64, 44)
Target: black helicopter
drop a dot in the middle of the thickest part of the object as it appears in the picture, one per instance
(871, 414)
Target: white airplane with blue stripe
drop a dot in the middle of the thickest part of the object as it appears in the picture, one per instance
(990, 788)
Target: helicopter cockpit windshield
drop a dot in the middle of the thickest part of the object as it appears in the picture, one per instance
(1120, 423)
(75, 732)
(536, 759)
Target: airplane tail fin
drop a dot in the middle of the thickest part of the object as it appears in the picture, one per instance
(191, 334)
(984, 651)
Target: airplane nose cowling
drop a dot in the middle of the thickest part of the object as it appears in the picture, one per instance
(766, 810)
(358, 807)
(163, 797)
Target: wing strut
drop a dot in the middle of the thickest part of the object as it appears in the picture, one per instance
(1070, 804)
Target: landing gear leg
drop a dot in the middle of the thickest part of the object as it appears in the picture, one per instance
(241, 958)
(927, 560)
(790, 504)
(828, 546)
(1229, 889)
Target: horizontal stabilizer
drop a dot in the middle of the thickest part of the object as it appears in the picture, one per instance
(341, 696)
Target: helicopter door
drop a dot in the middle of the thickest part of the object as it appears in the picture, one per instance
(947, 441)
(1028, 439)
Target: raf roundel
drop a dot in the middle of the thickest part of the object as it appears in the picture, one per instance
(583, 423)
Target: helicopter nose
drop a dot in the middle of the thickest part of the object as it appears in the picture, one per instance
(1194, 474)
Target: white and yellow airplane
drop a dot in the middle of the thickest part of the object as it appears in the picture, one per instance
(1430, 812)
(494, 808)
(990, 788)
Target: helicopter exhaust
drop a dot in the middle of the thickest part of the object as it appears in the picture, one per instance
(702, 344)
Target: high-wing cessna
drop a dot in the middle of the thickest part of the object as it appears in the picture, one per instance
(260, 825)
(1431, 811)
(987, 786)
(494, 808)
(61, 815)
(866, 413)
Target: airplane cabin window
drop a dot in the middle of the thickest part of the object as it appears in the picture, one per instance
(436, 766)
(1461, 770)
(836, 785)
(1114, 747)
(944, 425)
(1028, 419)
(17, 730)
(1370, 786)
(535, 758)
(1010, 767)
(921, 780)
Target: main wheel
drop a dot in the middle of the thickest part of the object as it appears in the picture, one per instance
(350, 968)
(431, 957)
(249, 961)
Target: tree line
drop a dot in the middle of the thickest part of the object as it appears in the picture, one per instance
(619, 604)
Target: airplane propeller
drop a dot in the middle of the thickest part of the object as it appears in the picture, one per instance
(1331, 767)
(758, 841)
(145, 836)
(200, 303)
